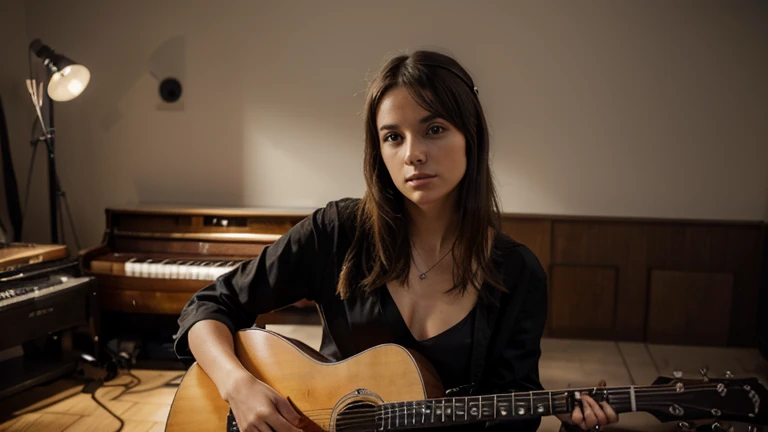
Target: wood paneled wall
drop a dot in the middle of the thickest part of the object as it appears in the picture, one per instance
(660, 281)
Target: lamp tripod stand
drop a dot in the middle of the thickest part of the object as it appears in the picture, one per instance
(65, 81)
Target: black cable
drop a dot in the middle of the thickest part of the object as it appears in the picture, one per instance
(165, 384)
(127, 387)
(122, 423)
(135, 382)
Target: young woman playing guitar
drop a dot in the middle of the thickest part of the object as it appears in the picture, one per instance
(419, 261)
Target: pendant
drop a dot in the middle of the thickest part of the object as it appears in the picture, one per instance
(422, 276)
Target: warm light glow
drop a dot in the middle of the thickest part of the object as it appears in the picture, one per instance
(68, 83)
(75, 87)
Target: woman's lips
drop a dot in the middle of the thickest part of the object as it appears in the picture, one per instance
(421, 181)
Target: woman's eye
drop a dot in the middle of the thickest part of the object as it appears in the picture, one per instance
(434, 130)
(391, 137)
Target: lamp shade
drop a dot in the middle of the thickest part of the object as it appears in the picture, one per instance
(67, 83)
(68, 79)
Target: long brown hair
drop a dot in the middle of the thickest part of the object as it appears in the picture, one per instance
(381, 250)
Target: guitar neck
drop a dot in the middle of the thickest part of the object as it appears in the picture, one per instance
(518, 405)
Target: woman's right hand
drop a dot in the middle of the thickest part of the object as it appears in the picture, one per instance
(258, 407)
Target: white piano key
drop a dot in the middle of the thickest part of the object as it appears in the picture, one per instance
(159, 268)
(196, 270)
(165, 269)
(144, 268)
(130, 267)
(156, 269)
(173, 269)
(185, 270)
(213, 272)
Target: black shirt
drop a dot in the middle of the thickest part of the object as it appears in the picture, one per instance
(449, 351)
(306, 263)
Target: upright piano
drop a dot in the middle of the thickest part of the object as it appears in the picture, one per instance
(153, 259)
(43, 300)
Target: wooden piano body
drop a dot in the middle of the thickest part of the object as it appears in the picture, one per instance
(153, 259)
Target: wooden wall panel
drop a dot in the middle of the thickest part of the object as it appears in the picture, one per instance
(634, 247)
(689, 307)
(744, 259)
(609, 244)
(714, 249)
(583, 301)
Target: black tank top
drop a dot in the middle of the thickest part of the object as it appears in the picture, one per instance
(449, 352)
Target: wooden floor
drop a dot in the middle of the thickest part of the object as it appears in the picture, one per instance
(62, 407)
(564, 364)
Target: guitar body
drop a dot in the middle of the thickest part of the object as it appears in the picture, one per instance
(391, 388)
(318, 388)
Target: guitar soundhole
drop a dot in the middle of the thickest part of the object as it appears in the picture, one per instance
(358, 416)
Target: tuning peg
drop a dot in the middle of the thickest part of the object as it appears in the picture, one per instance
(684, 426)
(677, 374)
(703, 371)
(717, 427)
(728, 374)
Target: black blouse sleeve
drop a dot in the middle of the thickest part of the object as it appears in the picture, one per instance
(518, 367)
(286, 271)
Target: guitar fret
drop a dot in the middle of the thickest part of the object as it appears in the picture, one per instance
(551, 407)
(492, 407)
(514, 405)
(479, 413)
(433, 413)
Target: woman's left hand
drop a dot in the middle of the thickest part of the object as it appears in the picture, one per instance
(595, 414)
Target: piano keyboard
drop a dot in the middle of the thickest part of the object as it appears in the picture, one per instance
(177, 269)
(38, 289)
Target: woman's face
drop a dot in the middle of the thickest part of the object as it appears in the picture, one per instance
(424, 154)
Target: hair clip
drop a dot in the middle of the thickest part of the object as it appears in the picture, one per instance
(477, 92)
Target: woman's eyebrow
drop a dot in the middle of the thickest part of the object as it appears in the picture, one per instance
(426, 119)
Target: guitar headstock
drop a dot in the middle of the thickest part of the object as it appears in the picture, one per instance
(729, 399)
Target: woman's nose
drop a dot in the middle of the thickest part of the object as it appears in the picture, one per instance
(415, 152)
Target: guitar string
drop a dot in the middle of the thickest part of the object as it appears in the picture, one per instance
(557, 401)
(364, 418)
(375, 419)
(616, 391)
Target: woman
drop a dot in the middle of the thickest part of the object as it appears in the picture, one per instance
(419, 261)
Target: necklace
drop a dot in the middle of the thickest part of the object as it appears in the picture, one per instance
(423, 275)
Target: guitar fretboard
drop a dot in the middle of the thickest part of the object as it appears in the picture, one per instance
(445, 411)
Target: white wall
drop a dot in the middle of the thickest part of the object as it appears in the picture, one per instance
(596, 108)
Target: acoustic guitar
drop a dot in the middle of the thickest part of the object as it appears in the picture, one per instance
(391, 388)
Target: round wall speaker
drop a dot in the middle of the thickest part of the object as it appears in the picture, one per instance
(170, 90)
